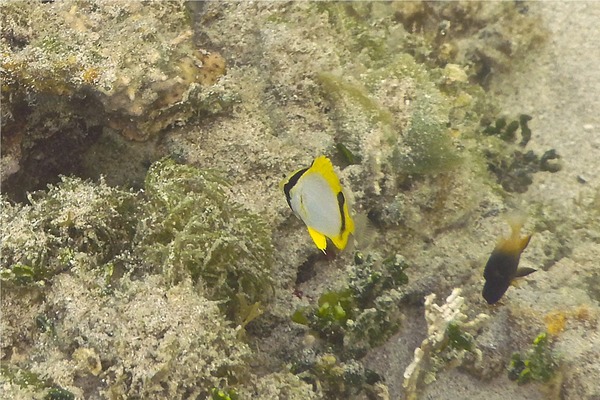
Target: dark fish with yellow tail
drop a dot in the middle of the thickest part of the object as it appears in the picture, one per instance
(503, 265)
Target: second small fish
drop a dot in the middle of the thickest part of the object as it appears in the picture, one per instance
(503, 265)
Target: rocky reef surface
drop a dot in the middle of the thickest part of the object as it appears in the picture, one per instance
(148, 252)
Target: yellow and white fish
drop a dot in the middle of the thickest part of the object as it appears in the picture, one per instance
(316, 196)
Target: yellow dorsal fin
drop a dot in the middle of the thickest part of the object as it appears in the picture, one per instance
(322, 166)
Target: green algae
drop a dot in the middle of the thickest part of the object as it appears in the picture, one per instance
(537, 364)
(71, 221)
(192, 229)
(457, 338)
(185, 226)
(430, 147)
(364, 314)
(336, 378)
(337, 86)
(34, 383)
(507, 158)
(219, 394)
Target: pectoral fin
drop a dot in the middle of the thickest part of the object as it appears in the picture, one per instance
(521, 272)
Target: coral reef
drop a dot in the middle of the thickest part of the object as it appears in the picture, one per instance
(190, 278)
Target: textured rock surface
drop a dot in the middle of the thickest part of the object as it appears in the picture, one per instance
(72, 70)
(406, 89)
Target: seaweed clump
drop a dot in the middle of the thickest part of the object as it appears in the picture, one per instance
(538, 364)
(98, 274)
(363, 315)
(349, 322)
(192, 229)
(506, 159)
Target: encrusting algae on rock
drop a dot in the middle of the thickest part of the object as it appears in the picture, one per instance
(71, 71)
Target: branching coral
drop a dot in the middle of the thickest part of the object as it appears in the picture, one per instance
(449, 341)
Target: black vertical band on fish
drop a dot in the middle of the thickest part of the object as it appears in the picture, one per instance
(290, 184)
(341, 201)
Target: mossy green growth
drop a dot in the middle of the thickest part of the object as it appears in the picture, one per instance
(377, 289)
(538, 364)
(192, 228)
(337, 86)
(457, 339)
(59, 394)
(370, 279)
(219, 394)
(30, 380)
(337, 379)
(365, 313)
(328, 319)
(427, 139)
(74, 221)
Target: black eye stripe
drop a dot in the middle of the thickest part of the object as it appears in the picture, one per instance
(291, 183)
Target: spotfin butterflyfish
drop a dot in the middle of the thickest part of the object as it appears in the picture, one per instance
(502, 266)
(316, 196)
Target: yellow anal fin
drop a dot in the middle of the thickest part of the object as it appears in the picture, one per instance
(319, 239)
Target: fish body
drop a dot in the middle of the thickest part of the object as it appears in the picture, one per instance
(503, 265)
(316, 196)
